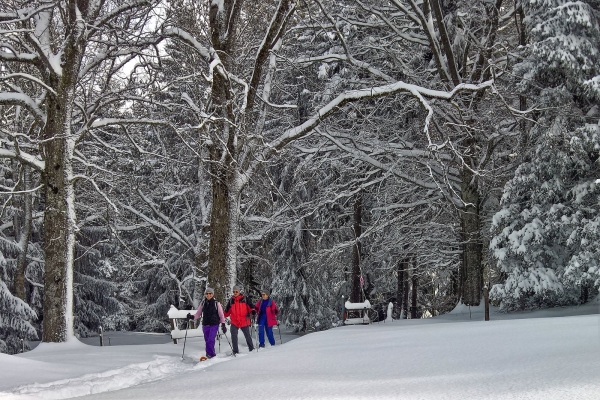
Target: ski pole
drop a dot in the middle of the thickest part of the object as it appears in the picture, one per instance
(256, 331)
(250, 327)
(279, 329)
(230, 346)
(187, 324)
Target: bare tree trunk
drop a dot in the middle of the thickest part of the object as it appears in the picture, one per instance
(471, 276)
(24, 231)
(399, 290)
(59, 221)
(405, 291)
(413, 306)
(59, 213)
(402, 288)
(355, 294)
(222, 248)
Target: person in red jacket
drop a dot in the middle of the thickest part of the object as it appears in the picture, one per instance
(238, 310)
(267, 318)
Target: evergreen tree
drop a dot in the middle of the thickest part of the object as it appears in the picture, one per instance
(548, 220)
(549, 212)
(15, 317)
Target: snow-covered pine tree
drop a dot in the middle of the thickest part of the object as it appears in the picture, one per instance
(545, 231)
(15, 317)
(549, 221)
(305, 289)
(96, 291)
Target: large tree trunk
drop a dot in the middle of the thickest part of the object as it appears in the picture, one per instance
(59, 213)
(59, 221)
(356, 288)
(222, 250)
(22, 225)
(226, 188)
(471, 276)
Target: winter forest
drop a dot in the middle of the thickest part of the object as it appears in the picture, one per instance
(418, 152)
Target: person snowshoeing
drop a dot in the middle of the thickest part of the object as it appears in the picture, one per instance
(267, 318)
(212, 315)
(238, 310)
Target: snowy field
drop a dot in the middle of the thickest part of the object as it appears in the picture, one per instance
(549, 354)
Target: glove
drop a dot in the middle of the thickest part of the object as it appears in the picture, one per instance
(190, 316)
(223, 328)
(276, 311)
(253, 313)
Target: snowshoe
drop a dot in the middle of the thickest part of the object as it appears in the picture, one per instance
(204, 358)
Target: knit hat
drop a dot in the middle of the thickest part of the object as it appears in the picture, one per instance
(265, 292)
(237, 288)
(209, 290)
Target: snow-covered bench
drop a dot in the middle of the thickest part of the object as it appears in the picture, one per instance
(176, 333)
(361, 309)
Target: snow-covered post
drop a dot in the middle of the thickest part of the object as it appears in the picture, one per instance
(100, 335)
(486, 302)
(389, 312)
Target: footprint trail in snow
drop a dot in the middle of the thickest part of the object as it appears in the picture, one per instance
(131, 375)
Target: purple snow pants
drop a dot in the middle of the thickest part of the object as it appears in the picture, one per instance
(210, 334)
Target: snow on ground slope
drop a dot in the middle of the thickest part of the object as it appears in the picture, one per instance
(536, 358)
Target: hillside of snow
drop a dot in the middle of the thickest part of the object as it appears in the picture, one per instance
(449, 357)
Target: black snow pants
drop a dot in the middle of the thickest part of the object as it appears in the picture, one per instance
(234, 338)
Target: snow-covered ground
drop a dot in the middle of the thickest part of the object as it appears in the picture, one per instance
(549, 354)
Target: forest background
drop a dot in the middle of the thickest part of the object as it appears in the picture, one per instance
(404, 151)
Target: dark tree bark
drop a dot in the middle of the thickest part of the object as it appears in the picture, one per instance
(59, 219)
(399, 290)
(356, 288)
(223, 216)
(471, 276)
(59, 215)
(414, 306)
(402, 289)
(219, 276)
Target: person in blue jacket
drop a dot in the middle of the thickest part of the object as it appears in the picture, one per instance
(267, 318)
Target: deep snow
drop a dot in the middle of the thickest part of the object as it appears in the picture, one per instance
(448, 357)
